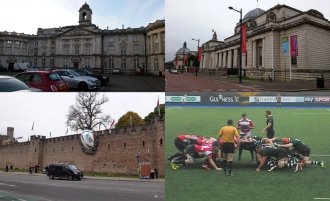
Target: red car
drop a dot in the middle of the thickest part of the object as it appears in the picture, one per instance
(45, 80)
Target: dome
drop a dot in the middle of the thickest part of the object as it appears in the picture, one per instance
(85, 7)
(183, 50)
(253, 13)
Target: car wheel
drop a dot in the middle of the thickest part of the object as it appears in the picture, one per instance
(79, 178)
(70, 177)
(83, 86)
(51, 176)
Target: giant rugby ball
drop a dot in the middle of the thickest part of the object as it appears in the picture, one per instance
(87, 139)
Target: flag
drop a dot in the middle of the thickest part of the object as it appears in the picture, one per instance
(294, 45)
(243, 39)
(67, 130)
(199, 54)
(158, 106)
(32, 126)
(50, 134)
(137, 156)
(113, 123)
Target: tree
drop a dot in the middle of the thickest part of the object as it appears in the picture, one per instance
(148, 119)
(129, 119)
(87, 112)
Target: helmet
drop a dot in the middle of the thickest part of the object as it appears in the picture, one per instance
(286, 140)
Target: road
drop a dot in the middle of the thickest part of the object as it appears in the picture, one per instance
(22, 187)
(182, 82)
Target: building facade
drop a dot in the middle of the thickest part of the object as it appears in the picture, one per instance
(282, 43)
(116, 152)
(87, 46)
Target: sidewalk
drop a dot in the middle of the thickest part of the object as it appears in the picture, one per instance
(161, 180)
(284, 86)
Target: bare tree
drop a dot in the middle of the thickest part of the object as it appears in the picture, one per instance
(87, 112)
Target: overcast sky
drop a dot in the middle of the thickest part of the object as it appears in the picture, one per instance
(48, 110)
(187, 19)
(26, 16)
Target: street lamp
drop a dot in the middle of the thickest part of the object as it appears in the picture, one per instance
(240, 58)
(197, 52)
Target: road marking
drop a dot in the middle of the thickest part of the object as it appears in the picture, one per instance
(21, 200)
(7, 184)
(311, 113)
(321, 198)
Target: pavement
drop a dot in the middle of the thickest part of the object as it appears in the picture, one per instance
(257, 85)
(159, 180)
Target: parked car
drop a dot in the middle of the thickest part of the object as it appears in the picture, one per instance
(174, 71)
(45, 80)
(10, 84)
(74, 80)
(116, 71)
(103, 79)
(69, 172)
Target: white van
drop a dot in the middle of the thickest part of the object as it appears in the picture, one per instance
(21, 66)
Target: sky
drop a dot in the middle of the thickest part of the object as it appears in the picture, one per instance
(24, 16)
(187, 19)
(48, 111)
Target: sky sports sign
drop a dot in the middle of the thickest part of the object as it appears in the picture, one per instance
(318, 99)
(182, 99)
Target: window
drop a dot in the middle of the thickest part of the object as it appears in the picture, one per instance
(111, 40)
(156, 47)
(52, 62)
(87, 50)
(135, 38)
(111, 49)
(87, 63)
(123, 63)
(43, 62)
(35, 78)
(136, 49)
(52, 42)
(52, 51)
(66, 49)
(111, 63)
(9, 42)
(44, 53)
(76, 49)
(156, 64)
(136, 63)
(36, 51)
(260, 56)
(36, 43)
(123, 49)
(35, 62)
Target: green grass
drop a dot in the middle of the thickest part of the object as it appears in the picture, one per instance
(312, 126)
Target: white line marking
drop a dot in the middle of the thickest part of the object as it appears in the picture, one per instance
(311, 113)
(7, 184)
(321, 155)
(321, 198)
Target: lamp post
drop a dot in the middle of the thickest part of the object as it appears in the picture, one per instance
(197, 53)
(240, 58)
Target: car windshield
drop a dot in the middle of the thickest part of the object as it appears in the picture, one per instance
(12, 84)
(72, 167)
(54, 77)
(74, 73)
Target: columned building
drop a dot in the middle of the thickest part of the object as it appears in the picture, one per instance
(282, 43)
(87, 46)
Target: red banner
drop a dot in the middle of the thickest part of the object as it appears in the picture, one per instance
(184, 59)
(199, 54)
(243, 39)
(176, 60)
(294, 46)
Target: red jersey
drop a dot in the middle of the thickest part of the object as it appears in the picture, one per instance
(193, 139)
(204, 150)
(245, 126)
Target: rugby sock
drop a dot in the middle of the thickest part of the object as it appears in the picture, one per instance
(224, 164)
(315, 163)
(175, 155)
(230, 166)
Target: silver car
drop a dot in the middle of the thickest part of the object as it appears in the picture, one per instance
(74, 80)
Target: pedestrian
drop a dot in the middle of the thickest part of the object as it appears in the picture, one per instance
(278, 100)
(6, 168)
(11, 168)
(227, 135)
(156, 173)
(30, 170)
(269, 129)
(152, 174)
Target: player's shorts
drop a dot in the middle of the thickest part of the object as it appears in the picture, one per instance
(306, 152)
(270, 133)
(180, 145)
(282, 153)
(228, 148)
(242, 135)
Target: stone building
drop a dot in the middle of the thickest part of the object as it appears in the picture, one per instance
(116, 152)
(87, 46)
(282, 43)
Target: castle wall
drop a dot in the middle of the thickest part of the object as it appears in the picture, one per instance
(115, 154)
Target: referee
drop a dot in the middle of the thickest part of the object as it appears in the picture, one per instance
(228, 134)
(269, 125)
